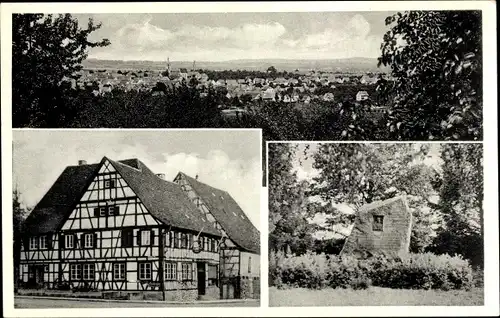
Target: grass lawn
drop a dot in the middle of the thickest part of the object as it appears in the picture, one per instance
(374, 296)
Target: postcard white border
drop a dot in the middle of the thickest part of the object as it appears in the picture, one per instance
(488, 8)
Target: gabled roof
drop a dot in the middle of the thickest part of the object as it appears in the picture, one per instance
(229, 214)
(58, 202)
(163, 199)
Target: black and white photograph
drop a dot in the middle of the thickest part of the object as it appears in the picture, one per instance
(152, 151)
(366, 224)
(358, 75)
(169, 217)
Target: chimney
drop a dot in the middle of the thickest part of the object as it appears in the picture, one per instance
(82, 162)
(161, 176)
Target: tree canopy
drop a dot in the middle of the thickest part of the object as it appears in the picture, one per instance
(357, 174)
(461, 202)
(45, 50)
(289, 230)
(436, 62)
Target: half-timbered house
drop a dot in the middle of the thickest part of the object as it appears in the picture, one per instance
(117, 226)
(240, 253)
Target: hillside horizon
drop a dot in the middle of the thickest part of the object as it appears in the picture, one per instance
(356, 64)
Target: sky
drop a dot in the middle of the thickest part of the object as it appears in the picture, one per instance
(238, 35)
(226, 160)
(303, 166)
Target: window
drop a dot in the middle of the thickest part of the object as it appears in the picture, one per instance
(111, 210)
(43, 242)
(75, 271)
(205, 243)
(378, 222)
(119, 271)
(145, 271)
(69, 240)
(109, 184)
(186, 271)
(173, 240)
(88, 240)
(179, 239)
(249, 264)
(170, 271)
(214, 243)
(167, 239)
(189, 240)
(33, 243)
(127, 238)
(212, 275)
(183, 240)
(145, 238)
(102, 211)
(88, 271)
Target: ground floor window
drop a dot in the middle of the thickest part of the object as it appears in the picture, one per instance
(119, 271)
(75, 271)
(170, 271)
(145, 271)
(187, 273)
(212, 275)
(88, 271)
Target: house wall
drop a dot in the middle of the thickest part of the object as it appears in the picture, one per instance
(250, 275)
(56, 259)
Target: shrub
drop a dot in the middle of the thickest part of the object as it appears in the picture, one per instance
(424, 271)
(308, 270)
(409, 271)
(362, 282)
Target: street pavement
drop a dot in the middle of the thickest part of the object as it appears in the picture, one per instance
(39, 302)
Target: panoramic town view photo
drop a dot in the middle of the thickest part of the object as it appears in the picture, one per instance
(111, 219)
(367, 224)
(414, 75)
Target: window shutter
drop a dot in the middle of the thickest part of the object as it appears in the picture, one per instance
(152, 237)
(96, 212)
(26, 243)
(124, 238)
(139, 237)
(61, 241)
(95, 241)
(49, 241)
(117, 209)
(75, 240)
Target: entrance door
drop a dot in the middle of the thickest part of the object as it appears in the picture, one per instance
(201, 278)
(35, 276)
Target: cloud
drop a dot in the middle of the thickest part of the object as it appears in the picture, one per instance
(36, 167)
(342, 38)
(144, 36)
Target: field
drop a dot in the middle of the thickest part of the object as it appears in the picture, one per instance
(374, 296)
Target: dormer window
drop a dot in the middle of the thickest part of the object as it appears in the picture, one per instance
(378, 223)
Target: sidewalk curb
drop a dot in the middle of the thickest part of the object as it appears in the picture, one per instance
(221, 301)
